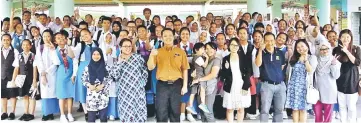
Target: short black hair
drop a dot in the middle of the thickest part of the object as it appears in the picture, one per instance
(17, 18)
(91, 16)
(233, 39)
(256, 31)
(257, 25)
(221, 34)
(6, 35)
(184, 28)
(247, 13)
(126, 31)
(65, 33)
(174, 16)
(124, 40)
(147, 9)
(169, 22)
(282, 33)
(210, 13)
(83, 23)
(106, 18)
(254, 14)
(141, 26)
(269, 33)
(119, 18)
(242, 22)
(197, 46)
(212, 45)
(26, 12)
(167, 29)
(43, 15)
(130, 22)
(26, 40)
(239, 29)
(284, 21)
(87, 30)
(176, 20)
(5, 19)
(329, 32)
(300, 21)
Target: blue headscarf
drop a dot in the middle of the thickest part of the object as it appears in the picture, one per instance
(97, 69)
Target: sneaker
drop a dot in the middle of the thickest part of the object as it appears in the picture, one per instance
(257, 113)
(11, 116)
(111, 118)
(70, 118)
(86, 117)
(23, 117)
(337, 115)
(190, 118)
(191, 110)
(63, 119)
(44, 118)
(51, 117)
(182, 117)
(29, 117)
(310, 112)
(4, 116)
(199, 117)
(203, 108)
(270, 116)
(251, 116)
(285, 115)
(334, 115)
(80, 109)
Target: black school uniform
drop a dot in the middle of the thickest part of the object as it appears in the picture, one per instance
(7, 73)
(25, 68)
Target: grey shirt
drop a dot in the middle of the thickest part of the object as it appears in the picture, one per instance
(212, 84)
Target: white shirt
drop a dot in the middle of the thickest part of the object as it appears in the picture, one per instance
(102, 36)
(6, 51)
(16, 62)
(255, 68)
(222, 53)
(22, 36)
(77, 50)
(245, 48)
(37, 41)
(28, 26)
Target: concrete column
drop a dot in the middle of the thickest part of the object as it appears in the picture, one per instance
(121, 12)
(259, 6)
(52, 10)
(276, 9)
(324, 7)
(63, 7)
(6, 6)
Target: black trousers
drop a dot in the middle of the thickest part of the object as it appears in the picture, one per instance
(102, 115)
(253, 108)
(168, 101)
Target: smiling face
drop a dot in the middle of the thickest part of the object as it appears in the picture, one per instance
(230, 30)
(96, 56)
(6, 40)
(85, 36)
(184, 36)
(126, 47)
(210, 51)
(26, 46)
(233, 46)
(332, 37)
(203, 37)
(281, 39)
(47, 37)
(116, 27)
(302, 48)
(269, 41)
(257, 39)
(324, 50)
(194, 27)
(35, 32)
(243, 35)
(345, 39)
(168, 37)
(221, 40)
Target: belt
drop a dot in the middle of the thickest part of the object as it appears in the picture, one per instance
(272, 83)
(169, 82)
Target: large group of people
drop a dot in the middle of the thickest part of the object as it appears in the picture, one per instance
(206, 67)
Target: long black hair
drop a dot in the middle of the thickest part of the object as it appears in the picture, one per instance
(296, 55)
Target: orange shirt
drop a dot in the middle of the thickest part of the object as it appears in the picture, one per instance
(171, 64)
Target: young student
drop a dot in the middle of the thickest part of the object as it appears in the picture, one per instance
(204, 37)
(82, 58)
(35, 38)
(143, 47)
(18, 34)
(64, 86)
(23, 64)
(99, 35)
(199, 61)
(46, 63)
(8, 54)
(108, 47)
(5, 24)
(96, 79)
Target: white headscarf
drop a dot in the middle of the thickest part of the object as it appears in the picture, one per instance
(324, 62)
(194, 36)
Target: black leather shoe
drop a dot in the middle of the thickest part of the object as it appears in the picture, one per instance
(45, 118)
(51, 117)
(80, 109)
(4, 116)
(23, 117)
(11, 116)
(29, 117)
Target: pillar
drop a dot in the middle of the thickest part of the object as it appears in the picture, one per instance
(276, 9)
(324, 7)
(121, 10)
(63, 7)
(259, 6)
(6, 7)
(203, 10)
(52, 10)
(126, 14)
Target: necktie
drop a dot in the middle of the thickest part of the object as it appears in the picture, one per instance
(160, 44)
(63, 56)
(147, 23)
(185, 49)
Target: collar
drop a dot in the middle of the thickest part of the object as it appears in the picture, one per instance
(181, 44)
(3, 48)
(28, 23)
(23, 53)
(37, 38)
(105, 32)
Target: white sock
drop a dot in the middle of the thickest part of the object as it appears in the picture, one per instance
(182, 114)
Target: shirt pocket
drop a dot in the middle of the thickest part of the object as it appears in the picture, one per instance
(177, 60)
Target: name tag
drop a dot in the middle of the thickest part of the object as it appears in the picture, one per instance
(277, 58)
(176, 55)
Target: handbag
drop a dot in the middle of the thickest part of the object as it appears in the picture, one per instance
(313, 95)
(19, 80)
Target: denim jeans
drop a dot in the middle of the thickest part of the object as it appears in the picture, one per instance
(275, 93)
(102, 115)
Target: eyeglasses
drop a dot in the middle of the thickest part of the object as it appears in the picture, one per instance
(324, 49)
(127, 46)
(234, 45)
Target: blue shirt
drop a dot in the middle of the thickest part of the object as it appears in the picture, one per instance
(271, 68)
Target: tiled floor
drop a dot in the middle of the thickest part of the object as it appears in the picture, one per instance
(79, 117)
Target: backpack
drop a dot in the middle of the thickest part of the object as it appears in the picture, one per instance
(83, 48)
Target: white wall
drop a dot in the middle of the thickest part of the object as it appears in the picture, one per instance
(354, 18)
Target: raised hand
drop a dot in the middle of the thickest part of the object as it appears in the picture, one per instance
(154, 52)
(334, 59)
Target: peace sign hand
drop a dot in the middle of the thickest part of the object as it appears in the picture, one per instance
(344, 49)
(334, 59)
